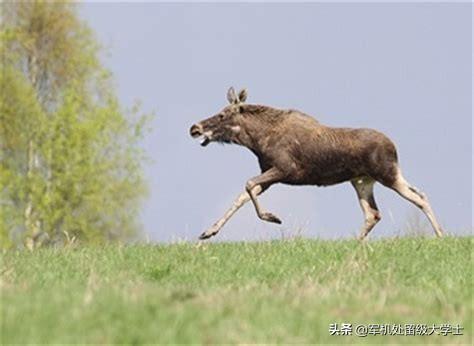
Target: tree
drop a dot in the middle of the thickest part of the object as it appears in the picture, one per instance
(71, 164)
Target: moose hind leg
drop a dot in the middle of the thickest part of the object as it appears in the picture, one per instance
(410, 193)
(365, 192)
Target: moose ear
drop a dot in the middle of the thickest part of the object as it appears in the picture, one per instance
(242, 95)
(231, 96)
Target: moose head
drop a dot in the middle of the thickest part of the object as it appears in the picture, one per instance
(224, 126)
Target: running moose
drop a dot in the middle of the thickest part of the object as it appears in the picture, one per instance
(293, 148)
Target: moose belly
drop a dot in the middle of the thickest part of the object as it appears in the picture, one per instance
(325, 173)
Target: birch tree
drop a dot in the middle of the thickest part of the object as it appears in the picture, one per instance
(71, 164)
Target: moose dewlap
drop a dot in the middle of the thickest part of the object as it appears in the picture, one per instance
(294, 148)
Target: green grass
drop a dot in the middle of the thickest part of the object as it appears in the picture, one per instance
(269, 292)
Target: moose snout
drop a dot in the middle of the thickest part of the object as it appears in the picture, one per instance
(196, 130)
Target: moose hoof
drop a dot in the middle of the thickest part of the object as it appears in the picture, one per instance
(271, 218)
(207, 235)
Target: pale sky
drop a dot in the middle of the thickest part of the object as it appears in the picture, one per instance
(404, 69)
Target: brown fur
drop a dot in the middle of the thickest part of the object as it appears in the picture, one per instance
(294, 148)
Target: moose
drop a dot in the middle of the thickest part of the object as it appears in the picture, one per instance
(294, 148)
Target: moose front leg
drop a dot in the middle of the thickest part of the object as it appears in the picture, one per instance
(215, 228)
(243, 198)
(268, 178)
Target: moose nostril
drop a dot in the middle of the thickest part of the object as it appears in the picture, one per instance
(195, 130)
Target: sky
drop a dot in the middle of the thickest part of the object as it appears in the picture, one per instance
(404, 69)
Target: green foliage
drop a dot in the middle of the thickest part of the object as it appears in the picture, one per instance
(273, 292)
(70, 157)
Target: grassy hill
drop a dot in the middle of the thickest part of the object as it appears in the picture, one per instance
(270, 292)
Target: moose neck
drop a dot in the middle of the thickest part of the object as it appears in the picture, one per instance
(258, 123)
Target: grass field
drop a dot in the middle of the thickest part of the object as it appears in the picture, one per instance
(270, 292)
